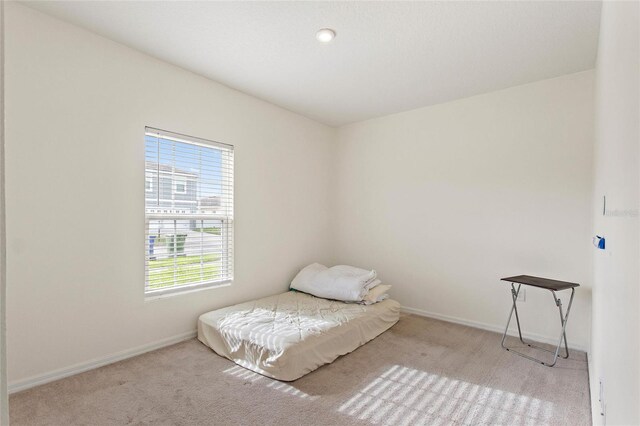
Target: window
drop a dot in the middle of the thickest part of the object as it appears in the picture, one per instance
(188, 212)
(180, 185)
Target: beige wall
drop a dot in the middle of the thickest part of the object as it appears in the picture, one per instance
(616, 294)
(446, 200)
(76, 108)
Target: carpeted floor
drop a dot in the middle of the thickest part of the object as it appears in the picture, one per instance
(421, 371)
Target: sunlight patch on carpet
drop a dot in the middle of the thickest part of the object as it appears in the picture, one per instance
(406, 396)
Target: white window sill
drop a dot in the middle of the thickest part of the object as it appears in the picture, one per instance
(163, 294)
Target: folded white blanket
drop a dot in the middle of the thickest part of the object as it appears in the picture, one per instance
(376, 294)
(340, 282)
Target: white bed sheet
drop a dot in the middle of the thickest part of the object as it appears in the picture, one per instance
(291, 334)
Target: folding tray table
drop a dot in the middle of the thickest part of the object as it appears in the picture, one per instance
(552, 286)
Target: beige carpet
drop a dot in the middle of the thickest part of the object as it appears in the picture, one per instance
(422, 371)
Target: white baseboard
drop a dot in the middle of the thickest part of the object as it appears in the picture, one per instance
(594, 388)
(490, 327)
(41, 379)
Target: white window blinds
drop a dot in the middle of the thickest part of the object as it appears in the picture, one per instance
(188, 212)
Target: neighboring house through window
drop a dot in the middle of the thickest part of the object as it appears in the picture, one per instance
(188, 212)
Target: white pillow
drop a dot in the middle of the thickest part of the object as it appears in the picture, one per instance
(303, 281)
(377, 294)
(344, 283)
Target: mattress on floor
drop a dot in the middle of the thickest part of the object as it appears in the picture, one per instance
(291, 334)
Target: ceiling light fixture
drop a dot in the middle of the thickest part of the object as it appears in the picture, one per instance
(325, 35)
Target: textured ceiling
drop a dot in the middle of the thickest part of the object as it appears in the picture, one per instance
(388, 56)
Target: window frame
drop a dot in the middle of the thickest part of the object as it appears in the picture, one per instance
(182, 181)
(150, 180)
(226, 220)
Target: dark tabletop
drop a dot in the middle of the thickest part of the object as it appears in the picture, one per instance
(540, 282)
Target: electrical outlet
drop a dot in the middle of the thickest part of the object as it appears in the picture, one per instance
(522, 295)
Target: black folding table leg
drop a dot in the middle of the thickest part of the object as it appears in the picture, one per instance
(513, 308)
(562, 317)
(514, 296)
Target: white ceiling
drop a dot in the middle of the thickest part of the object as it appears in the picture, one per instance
(387, 57)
